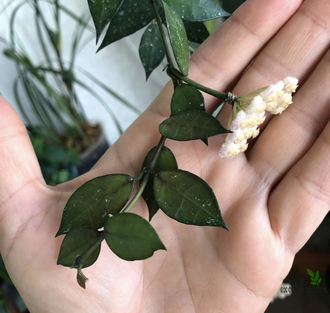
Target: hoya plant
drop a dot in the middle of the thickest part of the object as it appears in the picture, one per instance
(102, 209)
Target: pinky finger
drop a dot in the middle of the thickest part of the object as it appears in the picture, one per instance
(301, 200)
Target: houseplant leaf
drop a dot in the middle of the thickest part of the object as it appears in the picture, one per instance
(165, 161)
(197, 10)
(196, 31)
(151, 49)
(77, 242)
(102, 12)
(191, 125)
(185, 98)
(92, 203)
(231, 5)
(131, 237)
(187, 198)
(178, 39)
(131, 16)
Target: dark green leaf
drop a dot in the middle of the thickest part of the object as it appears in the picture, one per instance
(151, 49)
(313, 283)
(312, 279)
(92, 203)
(132, 16)
(196, 31)
(185, 98)
(191, 125)
(166, 162)
(231, 5)
(149, 198)
(187, 198)
(77, 242)
(131, 237)
(102, 12)
(178, 38)
(197, 10)
(319, 280)
(317, 275)
(310, 273)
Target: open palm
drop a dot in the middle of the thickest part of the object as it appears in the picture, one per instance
(272, 198)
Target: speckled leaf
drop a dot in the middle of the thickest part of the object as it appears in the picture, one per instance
(102, 12)
(185, 98)
(197, 10)
(77, 242)
(196, 31)
(187, 198)
(131, 237)
(178, 39)
(151, 49)
(132, 16)
(191, 125)
(166, 161)
(92, 203)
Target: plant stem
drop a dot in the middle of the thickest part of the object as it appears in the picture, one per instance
(157, 153)
(79, 262)
(138, 194)
(162, 140)
(146, 176)
(163, 34)
(172, 72)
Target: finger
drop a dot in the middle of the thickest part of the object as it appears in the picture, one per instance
(302, 199)
(19, 166)
(288, 54)
(289, 136)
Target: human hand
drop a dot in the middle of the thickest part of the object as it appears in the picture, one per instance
(272, 198)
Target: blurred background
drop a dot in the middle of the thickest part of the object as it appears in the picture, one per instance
(76, 103)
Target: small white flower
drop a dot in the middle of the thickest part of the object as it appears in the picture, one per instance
(290, 84)
(248, 114)
(236, 123)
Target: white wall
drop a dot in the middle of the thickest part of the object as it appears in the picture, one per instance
(118, 66)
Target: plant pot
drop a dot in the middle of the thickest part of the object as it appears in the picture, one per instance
(90, 156)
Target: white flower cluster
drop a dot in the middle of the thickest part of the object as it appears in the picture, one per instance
(249, 112)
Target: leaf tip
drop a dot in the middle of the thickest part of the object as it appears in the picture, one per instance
(162, 247)
(147, 75)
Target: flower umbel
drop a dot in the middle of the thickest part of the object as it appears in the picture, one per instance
(249, 110)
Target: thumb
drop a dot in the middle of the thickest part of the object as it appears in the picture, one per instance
(19, 166)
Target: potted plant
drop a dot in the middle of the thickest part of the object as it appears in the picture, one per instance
(46, 91)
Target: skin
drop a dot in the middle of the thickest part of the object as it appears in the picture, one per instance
(272, 198)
